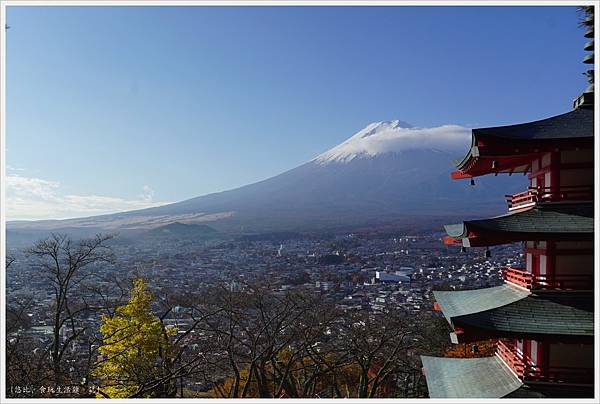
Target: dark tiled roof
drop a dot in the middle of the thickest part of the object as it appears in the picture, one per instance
(463, 302)
(558, 219)
(468, 378)
(560, 313)
(578, 123)
(575, 125)
(507, 309)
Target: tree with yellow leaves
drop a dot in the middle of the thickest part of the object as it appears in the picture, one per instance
(137, 354)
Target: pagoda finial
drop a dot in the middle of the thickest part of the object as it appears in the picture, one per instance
(586, 99)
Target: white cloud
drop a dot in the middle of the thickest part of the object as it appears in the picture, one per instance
(35, 198)
(11, 168)
(147, 193)
(396, 136)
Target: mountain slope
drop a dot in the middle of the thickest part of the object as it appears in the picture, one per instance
(385, 172)
(178, 230)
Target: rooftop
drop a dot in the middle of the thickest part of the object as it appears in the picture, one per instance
(560, 221)
(463, 302)
(507, 310)
(578, 123)
(509, 149)
(546, 313)
(468, 378)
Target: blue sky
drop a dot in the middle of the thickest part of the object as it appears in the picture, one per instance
(114, 108)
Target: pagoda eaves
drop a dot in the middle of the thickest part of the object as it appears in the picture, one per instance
(511, 149)
(551, 222)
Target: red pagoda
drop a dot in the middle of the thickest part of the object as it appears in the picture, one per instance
(542, 316)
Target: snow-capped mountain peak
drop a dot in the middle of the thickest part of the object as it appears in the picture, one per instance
(394, 137)
(350, 185)
(377, 127)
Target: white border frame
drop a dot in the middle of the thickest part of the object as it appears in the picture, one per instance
(282, 3)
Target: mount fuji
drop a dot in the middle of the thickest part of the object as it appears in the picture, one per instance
(388, 172)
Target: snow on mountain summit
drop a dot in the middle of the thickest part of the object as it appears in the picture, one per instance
(397, 136)
(377, 127)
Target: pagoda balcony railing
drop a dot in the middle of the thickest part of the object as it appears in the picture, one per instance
(528, 371)
(527, 280)
(534, 195)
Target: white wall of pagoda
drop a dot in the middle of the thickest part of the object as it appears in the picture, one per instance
(565, 264)
(543, 359)
(560, 169)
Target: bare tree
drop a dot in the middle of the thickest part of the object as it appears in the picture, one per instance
(294, 345)
(175, 360)
(253, 341)
(9, 261)
(25, 360)
(66, 265)
(22, 359)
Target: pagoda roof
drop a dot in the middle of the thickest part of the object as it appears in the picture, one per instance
(509, 149)
(464, 302)
(546, 313)
(544, 221)
(507, 310)
(578, 123)
(468, 378)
